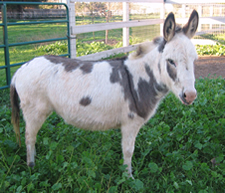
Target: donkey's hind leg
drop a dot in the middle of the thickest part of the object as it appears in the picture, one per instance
(34, 120)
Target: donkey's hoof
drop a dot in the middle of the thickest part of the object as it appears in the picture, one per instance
(131, 176)
(31, 164)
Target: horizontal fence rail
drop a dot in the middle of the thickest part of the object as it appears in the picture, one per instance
(125, 25)
(7, 45)
(114, 25)
(114, 1)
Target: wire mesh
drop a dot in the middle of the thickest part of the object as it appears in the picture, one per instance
(34, 32)
(18, 33)
(92, 13)
(144, 33)
(142, 11)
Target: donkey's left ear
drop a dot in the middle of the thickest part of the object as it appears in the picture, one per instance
(192, 24)
(169, 27)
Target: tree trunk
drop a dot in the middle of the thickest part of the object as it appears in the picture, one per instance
(92, 21)
(106, 36)
(107, 20)
(20, 11)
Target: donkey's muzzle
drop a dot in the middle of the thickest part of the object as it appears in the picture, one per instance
(188, 97)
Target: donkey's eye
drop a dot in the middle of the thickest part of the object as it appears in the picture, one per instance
(171, 62)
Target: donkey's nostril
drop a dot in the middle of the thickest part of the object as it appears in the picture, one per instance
(189, 96)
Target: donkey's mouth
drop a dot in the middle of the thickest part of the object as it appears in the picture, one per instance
(184, 101)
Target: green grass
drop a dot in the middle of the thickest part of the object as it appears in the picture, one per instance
(33, 32)
(216, 50)
(173, 151)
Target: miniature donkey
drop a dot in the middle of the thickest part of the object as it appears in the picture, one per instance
(100, 95)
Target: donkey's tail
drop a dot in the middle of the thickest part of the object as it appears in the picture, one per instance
(15, 119)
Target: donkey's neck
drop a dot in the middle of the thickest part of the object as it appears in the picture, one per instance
(145, 84)
(146, 68)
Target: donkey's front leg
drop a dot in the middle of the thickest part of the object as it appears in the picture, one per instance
(129, 134)
(31, 151)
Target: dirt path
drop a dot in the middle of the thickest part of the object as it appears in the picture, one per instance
(212, 65)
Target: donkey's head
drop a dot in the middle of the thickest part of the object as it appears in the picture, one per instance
(178, 56)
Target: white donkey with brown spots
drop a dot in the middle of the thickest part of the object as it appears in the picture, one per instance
(100, 95)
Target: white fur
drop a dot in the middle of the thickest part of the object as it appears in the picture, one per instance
(44, 87)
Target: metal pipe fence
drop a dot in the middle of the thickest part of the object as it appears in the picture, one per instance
(6, 45)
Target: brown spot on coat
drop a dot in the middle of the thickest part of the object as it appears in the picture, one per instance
(131, 115)
(71, 64)
(171, 71)
(85, 101)
(143, 100)
(87, 67)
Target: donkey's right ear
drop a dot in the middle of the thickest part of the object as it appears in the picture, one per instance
(192, 24)
(169, 27)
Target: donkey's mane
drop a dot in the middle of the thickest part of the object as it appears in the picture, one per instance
(142, 50)
(118, 58)
(178, 28)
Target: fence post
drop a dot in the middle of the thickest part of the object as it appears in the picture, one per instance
(183, 10)
(200, 15)
(6, 43)
(72, 21)
(211, 15)
(162, 16)
(125, 29)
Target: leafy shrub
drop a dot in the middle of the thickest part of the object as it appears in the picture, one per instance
(84, 48)
(218, 37)
(217, 50)
(56, 48)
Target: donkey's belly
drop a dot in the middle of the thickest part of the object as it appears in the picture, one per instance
(92, 117)
(97, 122)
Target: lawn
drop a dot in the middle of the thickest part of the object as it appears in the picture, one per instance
(181, 149)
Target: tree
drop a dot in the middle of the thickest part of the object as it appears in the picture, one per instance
(108, 15)
(94, 8)
(19, 8)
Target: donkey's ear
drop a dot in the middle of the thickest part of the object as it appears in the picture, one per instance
(192, 24)
(169, 27)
